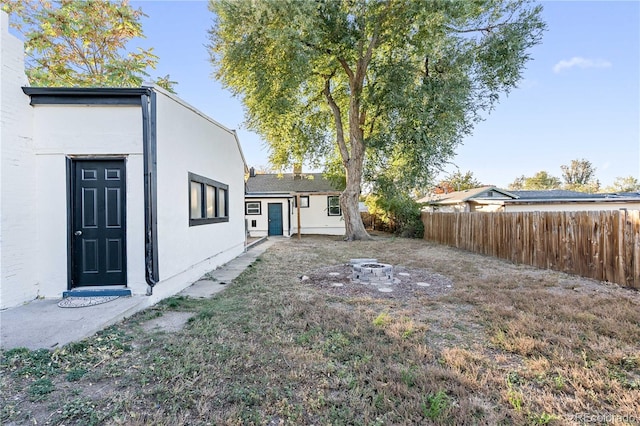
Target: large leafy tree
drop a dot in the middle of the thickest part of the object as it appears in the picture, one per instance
(580, 176)
(540, 181)
(625, 184)
(386, 88)
(82, 43)
(457, 181)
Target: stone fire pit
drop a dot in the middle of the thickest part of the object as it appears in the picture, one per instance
(370, 278)
(370, 271)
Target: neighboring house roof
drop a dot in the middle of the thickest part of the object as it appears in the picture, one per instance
(289, 183)
(563, 196)
(484, 192)
(490, 194)
(549, 194)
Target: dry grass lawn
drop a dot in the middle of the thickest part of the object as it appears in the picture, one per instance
(486, 342)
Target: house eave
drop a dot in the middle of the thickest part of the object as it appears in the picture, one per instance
(288, 194)
(488, 202)
(469, 195)
(85, 95)
(268, 195)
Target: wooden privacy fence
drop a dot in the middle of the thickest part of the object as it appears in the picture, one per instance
(604, 245)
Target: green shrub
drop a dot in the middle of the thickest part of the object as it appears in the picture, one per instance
(399, 212)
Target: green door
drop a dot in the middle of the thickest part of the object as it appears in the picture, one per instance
(275, 218)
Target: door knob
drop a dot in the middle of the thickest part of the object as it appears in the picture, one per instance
(77, 233)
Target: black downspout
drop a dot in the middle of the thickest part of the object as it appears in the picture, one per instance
(150, 189)
(289, 216)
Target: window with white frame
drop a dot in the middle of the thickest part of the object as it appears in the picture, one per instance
(333, 206)
(253, 207)
(208, 201)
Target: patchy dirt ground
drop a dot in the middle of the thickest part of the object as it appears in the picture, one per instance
(461, 338)
(407, 283)
(169, 322)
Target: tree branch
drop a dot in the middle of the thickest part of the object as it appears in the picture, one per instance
(374, 119)
(346, 68)
(319, 49)
(337, 115)
(487, 29)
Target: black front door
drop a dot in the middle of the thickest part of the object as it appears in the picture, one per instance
(98, 223)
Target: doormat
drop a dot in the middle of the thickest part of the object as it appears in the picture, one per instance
(82, 302)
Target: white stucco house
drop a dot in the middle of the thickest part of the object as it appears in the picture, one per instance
(288, 203)
(492, 199)
(121, 191)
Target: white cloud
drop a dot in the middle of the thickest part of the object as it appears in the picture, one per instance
(580, 62)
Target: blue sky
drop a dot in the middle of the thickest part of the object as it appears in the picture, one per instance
(579, 99)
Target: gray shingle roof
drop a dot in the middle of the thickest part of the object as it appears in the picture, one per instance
(278, 183)
(467, 195)
(551, 194)
(627, 194)
(561, 194)
(515, 197)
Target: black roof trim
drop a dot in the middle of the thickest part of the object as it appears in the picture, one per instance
(86, 95)
(268, 195)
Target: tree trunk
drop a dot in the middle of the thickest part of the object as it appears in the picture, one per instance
(349, 203)
(353, 152)
(353, 164)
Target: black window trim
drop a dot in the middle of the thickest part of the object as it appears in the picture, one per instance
(246, 205)
(295, 205)
(329, 205)
(217, 185)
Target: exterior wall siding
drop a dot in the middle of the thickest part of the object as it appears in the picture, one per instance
(18, 277)
(80, 131)
(262, 220)
(447, 208)
(316, 220)
(313, 219)
(190, 142)
(36, 143)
